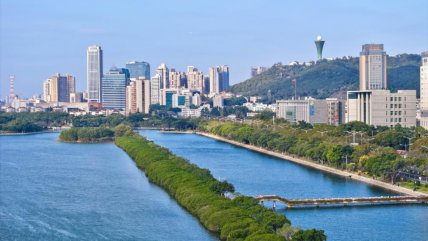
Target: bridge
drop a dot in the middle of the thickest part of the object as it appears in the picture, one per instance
(318, 202)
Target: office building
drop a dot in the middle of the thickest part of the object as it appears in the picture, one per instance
(94, 68)
(424, 91)
(57, 88)
(373, 67)
(138, 96)
(163, 72)
(114, 88)
(382, 108)
(138, 69)
(319, 43)
(155, 90)
(309, 110)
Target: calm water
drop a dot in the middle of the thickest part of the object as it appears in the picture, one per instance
(56, 191)
(253, 174)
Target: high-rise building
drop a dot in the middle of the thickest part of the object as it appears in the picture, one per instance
(195, 79)
(138, 96)
(57, 88)
(382, 108)
(177, 79)
(155, 90)
(114, 88)
(94, 68)
(219, 79)
(424, 90)
(163, 73)
(138, 69)
(373, 67)
(319, 43)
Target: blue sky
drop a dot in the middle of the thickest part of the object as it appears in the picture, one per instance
(43, 37)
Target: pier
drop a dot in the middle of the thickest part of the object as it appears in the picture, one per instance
(319, 202)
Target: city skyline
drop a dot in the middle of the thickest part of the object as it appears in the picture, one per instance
(254, 35)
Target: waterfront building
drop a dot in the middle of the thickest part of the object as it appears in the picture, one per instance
(138, 69)
(335, 111)
(382, 108)
(163, 72)
(319, 43)
(94, 73)
(138, 96)
(373, 67)
(57, 88)
(114, 88)
(423, 105)
(309, 110)
(155, 90)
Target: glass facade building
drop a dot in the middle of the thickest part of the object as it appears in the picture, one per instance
(138, 69)
(94, 68)
(114, 88)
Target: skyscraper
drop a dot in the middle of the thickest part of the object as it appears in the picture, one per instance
(57, 88)
(138, 96)
(155, 93)
(373, 67)
(94, 68)
(163, 73)
(319, 43)
(424, 90)
(195, 79)
(114, 88)
(138, 69)
(219, 79)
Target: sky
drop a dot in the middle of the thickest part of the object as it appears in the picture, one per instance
(44, 37)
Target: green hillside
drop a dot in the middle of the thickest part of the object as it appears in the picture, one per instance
(326, 78)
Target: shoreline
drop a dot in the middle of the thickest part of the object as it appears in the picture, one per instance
(331, 170)
(28, 133)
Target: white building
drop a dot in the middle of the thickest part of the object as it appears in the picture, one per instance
(309, 110)
(424, 91)
(163, 72)
(382, 108)
(155, 90)
(218, 101)
(94, 68)
(373, 67)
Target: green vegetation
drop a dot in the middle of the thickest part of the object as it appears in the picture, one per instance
(375, 155)
(94, 134)
(241, 218)
(327, 78)
(31, 122)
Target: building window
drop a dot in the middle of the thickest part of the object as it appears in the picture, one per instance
(399, 119)
(392, 106)
(392, 99)
(399, 98)
(399, 105)
(392, 119)
(392, 112)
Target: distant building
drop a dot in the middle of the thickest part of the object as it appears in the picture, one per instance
(219, 79)
(382, 108)
(155, 90)
(218, 101)
(138, 69)
(94, 68)
(256, 70)
(57, 88)
(319, 43)
(163, 72)
(335, 111)
(309, 110)
(114, 88)
(177, 79)
(138, 96)
(424, 90)
(195, 79)
(373, 67)
(76, 97)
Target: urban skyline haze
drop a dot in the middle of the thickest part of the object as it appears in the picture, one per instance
(39, 39)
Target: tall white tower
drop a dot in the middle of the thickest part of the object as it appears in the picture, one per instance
(424, 90)
(163, 73)
(94, 68)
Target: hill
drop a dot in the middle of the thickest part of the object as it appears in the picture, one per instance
(327, 78)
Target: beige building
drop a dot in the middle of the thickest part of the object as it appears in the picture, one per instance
(382, 108)
(424, 91)
(176, 79)
(373, 67)
(195, 80)
(138, 96)
(57, 88)
(309, 110)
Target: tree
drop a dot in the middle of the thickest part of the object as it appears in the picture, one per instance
(309, 235)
